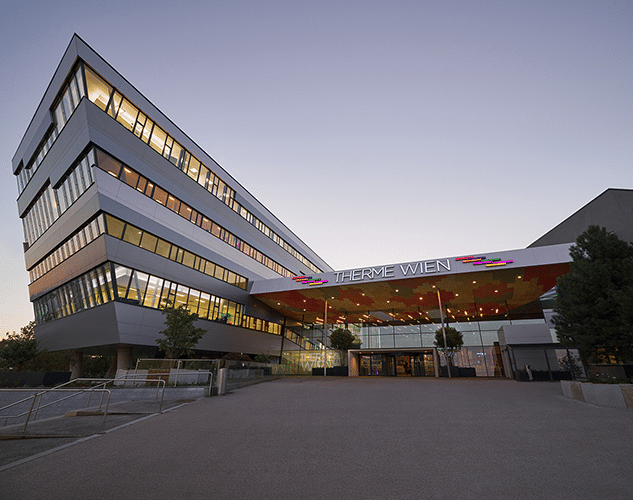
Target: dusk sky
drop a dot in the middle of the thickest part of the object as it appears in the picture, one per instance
(378, 131)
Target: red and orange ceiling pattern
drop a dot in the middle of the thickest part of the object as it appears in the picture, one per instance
(464, 295)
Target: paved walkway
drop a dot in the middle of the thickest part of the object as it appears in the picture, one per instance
(352, 438)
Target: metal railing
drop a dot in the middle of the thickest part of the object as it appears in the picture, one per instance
(100, 387)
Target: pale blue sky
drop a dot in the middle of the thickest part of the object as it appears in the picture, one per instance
(378, 131)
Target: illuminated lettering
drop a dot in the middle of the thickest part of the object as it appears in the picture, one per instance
(446, 266)
(356, 275)
(429, 267)
(380, 271)
(366, 274)
(409, 269)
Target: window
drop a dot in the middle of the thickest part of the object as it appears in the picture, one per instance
(157, 141)
(115, 226)
(98, 89)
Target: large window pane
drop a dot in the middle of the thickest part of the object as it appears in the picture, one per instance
(205, 174)
(188, 259)
(149, 242)
(182, 293)
(115, 226)
(152, 295)
(132, 235)
(160, 195)
(163, 248)
(115, 104)
(157, 141)
(127, 114)
(203, 308)
(129, 176)
(192, 301)
(137, 286)
(107, 163)
(98, 90)
(194, 168)
(168, 295)
(122, 278)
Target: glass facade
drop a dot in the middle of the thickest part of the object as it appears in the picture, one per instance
(115, 282)
(76, 242)
(70, 95)
(110, 282)
(158, 194)
(51, 203)
(119, 229)
(107, 98)
(479, 356)
(134, 120)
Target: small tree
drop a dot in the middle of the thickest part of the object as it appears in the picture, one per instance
(342, 339)
(594, 304)
(262, 358)
(181, 335)
(454, 343)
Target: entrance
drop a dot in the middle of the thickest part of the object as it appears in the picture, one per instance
(414, 364)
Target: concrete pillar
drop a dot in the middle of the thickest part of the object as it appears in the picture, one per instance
(123, 357)
(436, 363)
(77, 364)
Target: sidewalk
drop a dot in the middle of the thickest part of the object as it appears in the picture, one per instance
(352, 438)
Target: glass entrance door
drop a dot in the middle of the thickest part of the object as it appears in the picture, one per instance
(403, 365)
(419, 364)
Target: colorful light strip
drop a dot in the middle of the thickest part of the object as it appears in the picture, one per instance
(481, 261)
(307, 280)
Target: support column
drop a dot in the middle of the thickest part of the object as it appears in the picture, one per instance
(123, 357)
(353, 362)
(436, 363)
(77, 364)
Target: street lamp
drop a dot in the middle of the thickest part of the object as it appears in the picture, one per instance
(448, 365)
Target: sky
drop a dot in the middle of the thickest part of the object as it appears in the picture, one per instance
(379, 131)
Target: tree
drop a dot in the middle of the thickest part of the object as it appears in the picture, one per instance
(594, 304)
(342, 339)
(236, 356)
(454, 343)
(181, 335)
(21, 352)
(262, 358)
(17, 349)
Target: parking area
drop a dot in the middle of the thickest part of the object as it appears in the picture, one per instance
(369, 438)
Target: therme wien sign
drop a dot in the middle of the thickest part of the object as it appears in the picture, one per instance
(393, 271)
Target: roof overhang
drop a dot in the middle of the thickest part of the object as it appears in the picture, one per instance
(482, 285)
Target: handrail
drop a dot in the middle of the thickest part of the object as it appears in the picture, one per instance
(101, 387)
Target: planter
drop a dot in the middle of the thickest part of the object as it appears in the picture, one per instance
(613, 395)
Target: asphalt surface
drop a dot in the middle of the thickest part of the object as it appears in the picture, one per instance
(352, 438)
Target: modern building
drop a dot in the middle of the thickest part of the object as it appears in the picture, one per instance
(124, 214)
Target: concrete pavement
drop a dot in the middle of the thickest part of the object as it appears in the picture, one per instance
(376, 438)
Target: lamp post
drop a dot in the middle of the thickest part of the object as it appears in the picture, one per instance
(325, 341)
(448, 365)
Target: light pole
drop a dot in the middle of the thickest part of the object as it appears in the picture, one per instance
(448, 365)
(325, 340)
